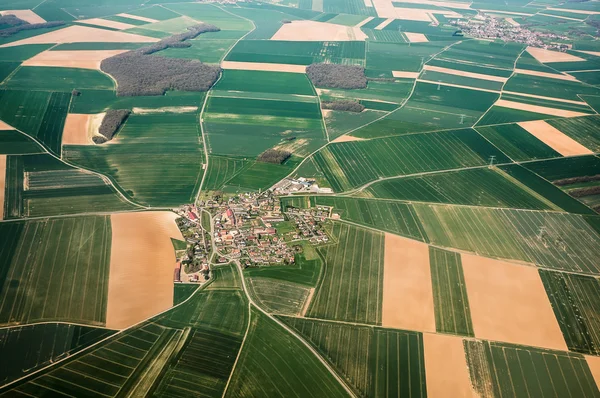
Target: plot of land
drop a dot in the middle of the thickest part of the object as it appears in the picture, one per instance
(106, 23)
(139, 18)
(79, 128)
(554, 138)
(594, 364)
(25, 15)
(559, 76)
(2, 184)
(82, 34)
(406, 75)
(416, 37)
(259, 66)
(547, 56)
(407, 295)
(317, 31)
(142, 252)
(508, 303)
(446, 367)
(72, 59)
(537, 108)
(464, 73)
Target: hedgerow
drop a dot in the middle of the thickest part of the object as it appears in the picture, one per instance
(275, 156)
(113, 119)
(337, 76)
(343, 105)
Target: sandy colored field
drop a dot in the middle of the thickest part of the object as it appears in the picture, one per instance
(72, 59)
(446, 367)
(558, 76)
(364, 21)
(25, 15)
(317, 31)
(554, 138)
(501, 13)
(509, 303)
(107, 23)
(406, 75)
(83, 34)
(347, 138)
(594, 364)
(451, 4)
(594, 53)
(512, 22)
(80, 128)
(537, 109)
(141, 266)
(546, 98)
(465, 74)
(384, 24)
(458, 86)
(407, 291)
(263, 66)
(165, 109)
(416, 37)
(544, 56)
(144, 19)
(5, 126)
(587, 12)
(2, 184)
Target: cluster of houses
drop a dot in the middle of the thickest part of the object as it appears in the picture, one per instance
(192, 262)
(299, 185)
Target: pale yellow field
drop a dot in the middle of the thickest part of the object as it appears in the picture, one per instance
(574, 11)
(25, 15)
(107, 23)
(384, 24)
(544, 56)
(512, 22)
(407, 291)
(83, 34)
(546, 98)
(164, 109)
(509, 303)
(595, 53)
(537, 109)
(450, 4)
(594, 364)
(554, 138)
(405, 75)
(558, 76)
(143, 19)
(317, 31)
(2, 184)
(347, 138)
(446, 367)
(364, 21)
(263, 66)
(5, 126)
(416, 37)
(72, 59)
(80, 128)
(465, 74)
(141, 266)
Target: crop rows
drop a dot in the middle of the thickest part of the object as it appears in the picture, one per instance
(351, 287)
(278, 296)
(517, 143)
(220, 170)
(582, 129)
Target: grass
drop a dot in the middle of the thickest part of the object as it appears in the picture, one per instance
(351, 287)
(156, 159)
(505, 370)
(517, 143)
(350, 165)
(554, 240)
(575, 300)
(58, 79)
(451, 303)
(390, 216)
(66, 272)
(278, 297)
(475, 187)
(273, 363)
(373, 361)
(24, 349)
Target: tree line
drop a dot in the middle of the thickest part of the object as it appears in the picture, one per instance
(111, 122)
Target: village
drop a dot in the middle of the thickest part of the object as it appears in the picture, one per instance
(251, 228)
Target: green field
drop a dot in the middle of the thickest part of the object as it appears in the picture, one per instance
(584, 130)
(374, 361)
(554, 240)
(548, 87)
(225, 277)
(350, 165)
(96, 101)
(499, 370)
(261, 175)
(273, 363)
(501, 115)
(573, 166)
(13, 142)
(212, 14)
(305, 271)
(24, 349)
(351, 287)
(451, 303)
(265, 82)
(57, 79)
(207, 51)
(575, 300)
(277, 296)
(156, 159)
(66, 272)
(517, 143)
(475, 187)
(222, 169)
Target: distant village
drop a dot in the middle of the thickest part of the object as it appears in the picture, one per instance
(250, 228)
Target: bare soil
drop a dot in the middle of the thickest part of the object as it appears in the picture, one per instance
(107, 23)
(407, 291)
(558, 76)
(347, 138)
(544, 56)
(554, 138)
(317, 31)
(416, 37)
(263, 66)
(141, 266)
(594, 364)
(72, 59)
(83, 34)
(537, 109)
(509, 303)
(80, 128)
(5, 126)
(446, 367)
(25, 15)
(405, 75)
(465, 74)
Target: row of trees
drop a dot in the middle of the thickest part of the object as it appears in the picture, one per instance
(574, 180)
(11, 20)
(337, 76)
(139, 72)
(343, 105)
(275, 156)
(14, 29)
(113, 119)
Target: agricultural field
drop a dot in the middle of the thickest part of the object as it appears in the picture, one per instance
(431, 167)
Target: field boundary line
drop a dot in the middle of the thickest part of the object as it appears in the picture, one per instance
(200, 116)
(239, 354)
